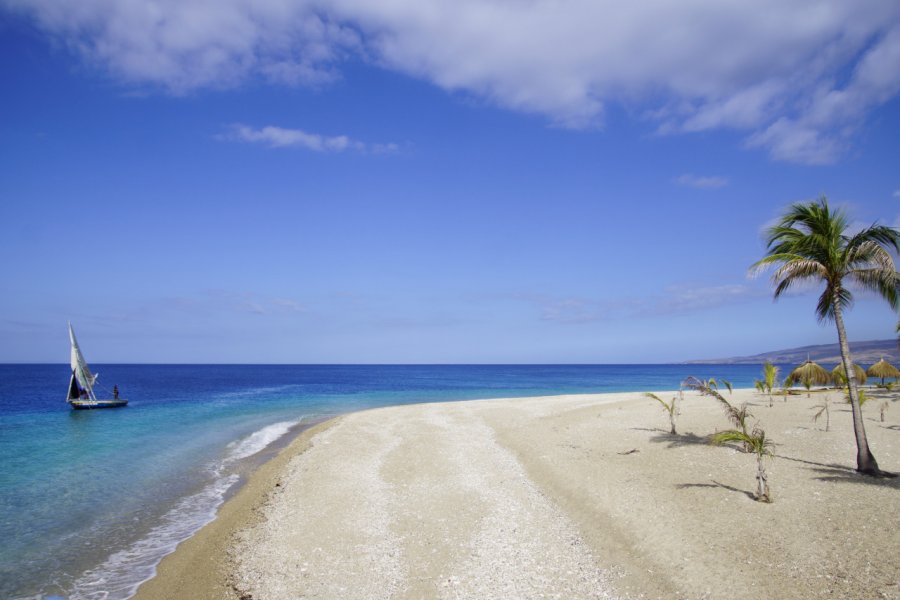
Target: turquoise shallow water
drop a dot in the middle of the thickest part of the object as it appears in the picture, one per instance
(90, 501)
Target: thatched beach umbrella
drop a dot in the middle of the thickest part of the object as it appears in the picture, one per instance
(809, 374)
(883, 369)
(840, 375)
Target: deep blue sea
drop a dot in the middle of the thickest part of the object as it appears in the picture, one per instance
(90, 501)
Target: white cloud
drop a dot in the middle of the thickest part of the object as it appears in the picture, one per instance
(183, 45)
(897, 194)
(797, 77)
(279, 137)
(701, 182)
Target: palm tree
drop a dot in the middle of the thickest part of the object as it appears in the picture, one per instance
(810, 243)
(823, 408)
(863, 398)
(760, 386)
(770, 377)
(670, 408)
(786, 385)
(757, 443)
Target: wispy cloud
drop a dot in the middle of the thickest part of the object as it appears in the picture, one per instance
(675, 300)
(212, 301)
(577, 310)
(289, 305)
(701, 182)
(249, 302)
(681, 299)
(800, 93)
(280, 137)
(897, 194)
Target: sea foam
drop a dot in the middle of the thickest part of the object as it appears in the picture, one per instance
(258, 440)
(120, 575)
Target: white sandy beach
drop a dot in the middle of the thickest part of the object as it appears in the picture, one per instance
(556, 497)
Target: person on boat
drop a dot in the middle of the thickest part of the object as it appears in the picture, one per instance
(115, 392)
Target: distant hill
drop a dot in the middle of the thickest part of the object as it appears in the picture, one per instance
(864, 353)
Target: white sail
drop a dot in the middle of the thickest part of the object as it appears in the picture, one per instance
(80, 369)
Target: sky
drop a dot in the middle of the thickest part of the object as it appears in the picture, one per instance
(430, 181)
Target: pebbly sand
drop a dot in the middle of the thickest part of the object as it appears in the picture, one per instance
(556, 497)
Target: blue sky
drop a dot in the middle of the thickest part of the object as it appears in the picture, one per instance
(431, 181)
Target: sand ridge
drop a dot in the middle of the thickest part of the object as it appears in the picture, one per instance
(465, 520)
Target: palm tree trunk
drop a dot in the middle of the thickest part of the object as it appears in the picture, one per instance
(762, 481)
(865, 462)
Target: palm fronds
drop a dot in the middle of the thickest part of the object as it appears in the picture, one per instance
(670, 407)
(786, 386)
(863, 398)
(823, 409)
(810, 243)
(770, 375)
(767, 383)
(738, 415)
(757, 442)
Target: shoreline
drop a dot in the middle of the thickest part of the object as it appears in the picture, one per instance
(632, 552)
(198, 567)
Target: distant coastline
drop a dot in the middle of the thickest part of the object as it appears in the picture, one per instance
(863, 352)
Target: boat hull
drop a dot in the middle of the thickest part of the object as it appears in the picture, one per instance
(91, 404)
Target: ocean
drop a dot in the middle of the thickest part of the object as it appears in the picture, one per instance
(90, 501)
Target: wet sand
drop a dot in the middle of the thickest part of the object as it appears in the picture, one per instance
(565, 496)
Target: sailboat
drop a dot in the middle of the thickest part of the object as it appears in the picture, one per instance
(81, 385)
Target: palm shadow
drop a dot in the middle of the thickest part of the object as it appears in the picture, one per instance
(844, 474)
(650, 429)
(834, 466)
(678, 440)
(715, 484)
